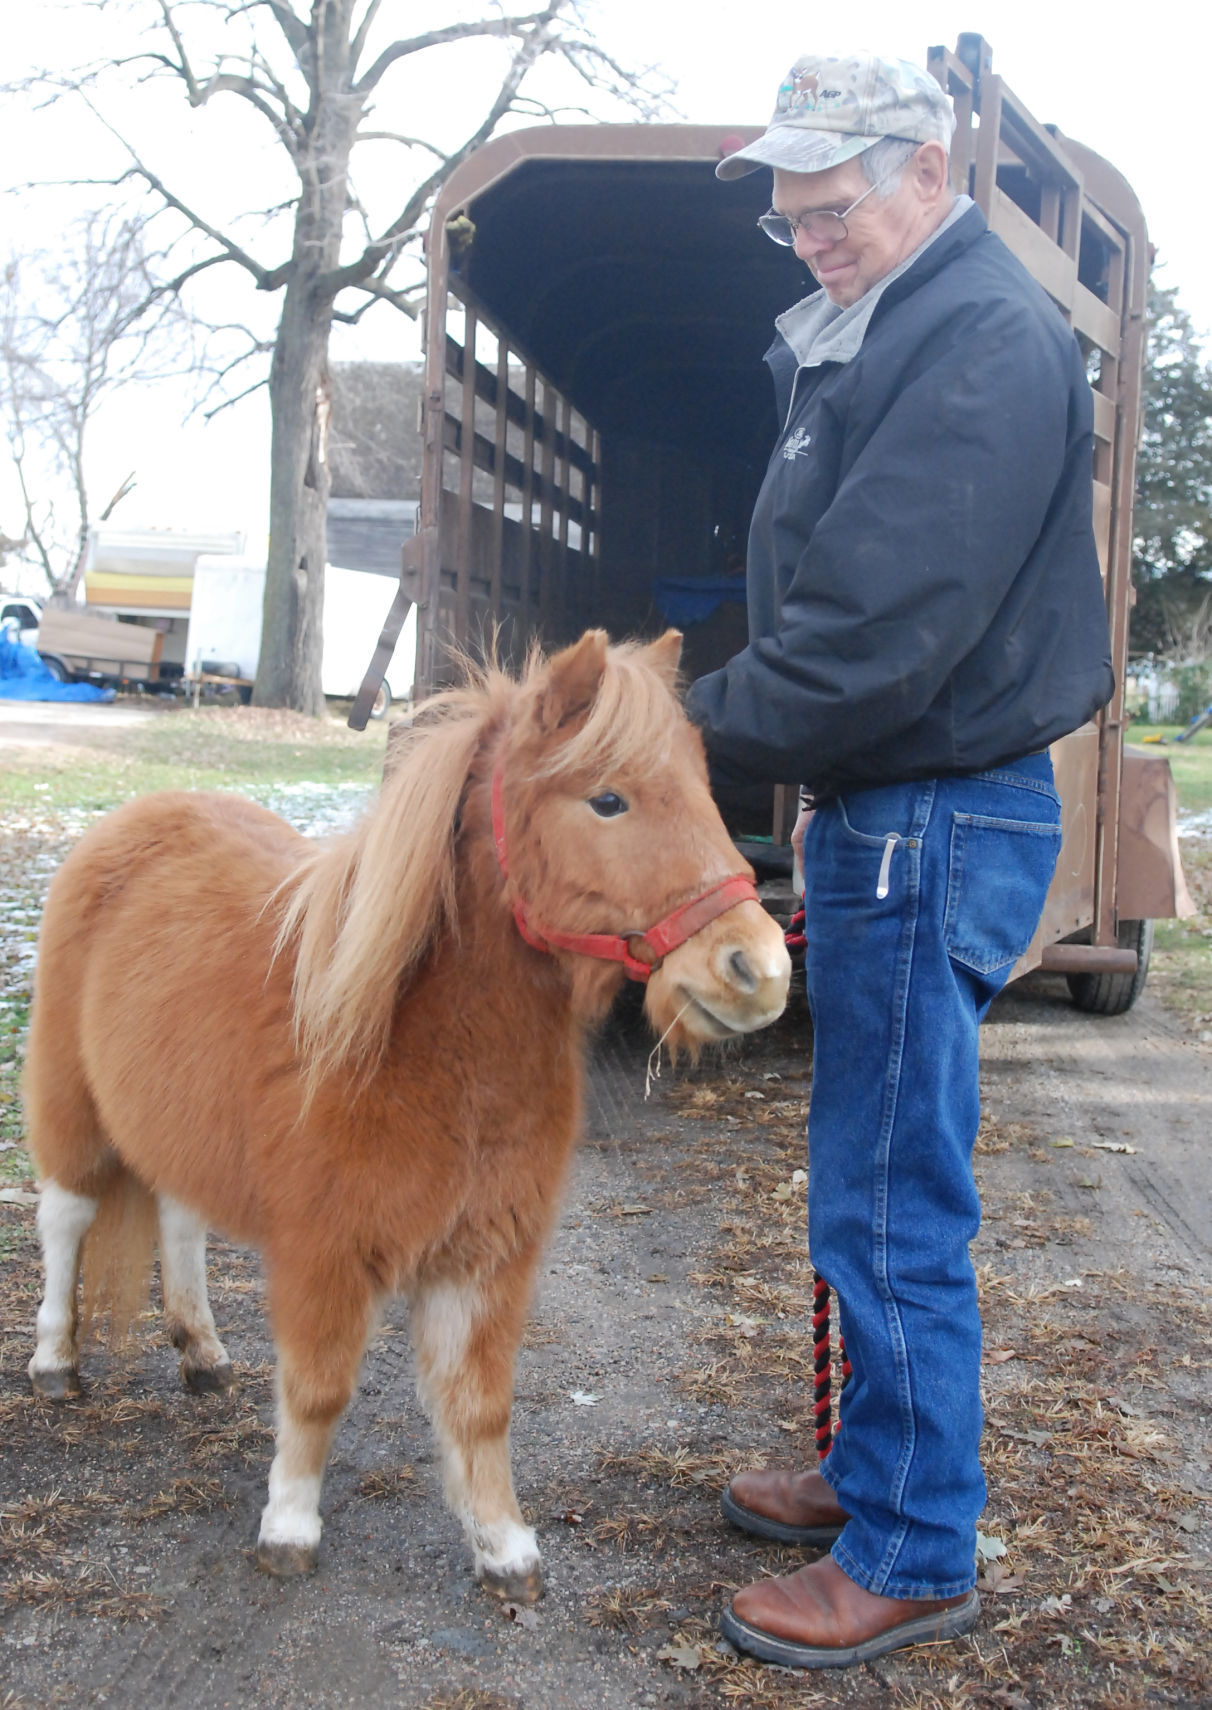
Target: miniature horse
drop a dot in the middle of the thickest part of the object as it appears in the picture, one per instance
(364, 1057)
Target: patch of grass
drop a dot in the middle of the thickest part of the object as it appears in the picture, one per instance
(1182, 962)
(626, 1609)
(239, 748)
(1190, 761)
(387, 1485)
(1181, 971)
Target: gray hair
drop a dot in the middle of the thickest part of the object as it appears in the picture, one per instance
(885, 160)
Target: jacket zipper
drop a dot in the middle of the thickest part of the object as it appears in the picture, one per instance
(791, 404)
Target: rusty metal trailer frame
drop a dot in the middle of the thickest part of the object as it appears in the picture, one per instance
(509, 542)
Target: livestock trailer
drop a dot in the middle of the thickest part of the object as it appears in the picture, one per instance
(597, 418)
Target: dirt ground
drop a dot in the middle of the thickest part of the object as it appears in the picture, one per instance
(668, 1348)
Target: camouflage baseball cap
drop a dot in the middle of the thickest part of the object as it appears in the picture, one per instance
(830, 108)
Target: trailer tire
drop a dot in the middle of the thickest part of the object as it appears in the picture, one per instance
(381, 705)
(56, 667)
(1114, 994)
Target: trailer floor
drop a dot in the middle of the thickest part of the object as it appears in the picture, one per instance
(668, 1348)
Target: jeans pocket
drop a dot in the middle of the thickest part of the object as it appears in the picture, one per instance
(997, 881)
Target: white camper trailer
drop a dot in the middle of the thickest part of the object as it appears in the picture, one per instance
(225, 626)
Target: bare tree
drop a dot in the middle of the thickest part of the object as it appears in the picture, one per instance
(313, 76)
(75, 327)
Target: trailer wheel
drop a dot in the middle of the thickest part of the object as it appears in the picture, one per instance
(56, 667)
(382, 702)
(1114, 994)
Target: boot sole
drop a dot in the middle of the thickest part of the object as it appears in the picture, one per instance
(950, 1623)
(779, 1531)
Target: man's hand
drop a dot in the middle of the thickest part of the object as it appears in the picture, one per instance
(797, 847)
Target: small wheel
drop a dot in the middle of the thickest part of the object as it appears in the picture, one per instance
(382, 701)
(56, 667)
(1114, 994)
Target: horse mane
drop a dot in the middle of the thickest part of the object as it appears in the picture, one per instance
(362, 911)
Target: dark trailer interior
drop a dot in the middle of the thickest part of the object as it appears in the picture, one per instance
(647, 295)
(598, 460)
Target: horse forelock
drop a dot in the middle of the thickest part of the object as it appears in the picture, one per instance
(634, 717)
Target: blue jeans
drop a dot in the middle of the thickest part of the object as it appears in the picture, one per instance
(919, 899)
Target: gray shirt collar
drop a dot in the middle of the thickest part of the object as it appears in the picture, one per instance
(820, 331)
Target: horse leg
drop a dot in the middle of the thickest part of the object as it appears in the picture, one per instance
(321, 1320)
(466, 1336)
(188, 1320)
(64, 1218)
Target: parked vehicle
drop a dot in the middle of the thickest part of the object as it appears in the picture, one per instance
(224, 636)
(25, 611)
(602, 375)
(81, 646)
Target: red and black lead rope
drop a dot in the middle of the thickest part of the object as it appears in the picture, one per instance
(822, 1367)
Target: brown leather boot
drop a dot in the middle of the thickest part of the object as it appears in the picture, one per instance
(819, 1618)
(790, 1507)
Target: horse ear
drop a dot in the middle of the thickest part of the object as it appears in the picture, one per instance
(573, 679)
(664, 656)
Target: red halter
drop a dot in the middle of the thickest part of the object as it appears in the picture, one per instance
(678, 925)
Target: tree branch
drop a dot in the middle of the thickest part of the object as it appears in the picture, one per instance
(229, 403)
(288, 21)
(394, 136)
(376, 290)
(182, 67)
(453, 33)
(224, 82)
(361, 33)
(384, 248)
(198, 92)
(268, 279)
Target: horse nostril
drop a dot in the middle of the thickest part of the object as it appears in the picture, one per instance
(741, 972)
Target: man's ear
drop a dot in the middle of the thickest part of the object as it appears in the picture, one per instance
(573, 680)
(931, 170)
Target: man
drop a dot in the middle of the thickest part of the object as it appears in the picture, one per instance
(926, 616)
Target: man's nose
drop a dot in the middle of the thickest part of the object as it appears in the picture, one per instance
(808, 247)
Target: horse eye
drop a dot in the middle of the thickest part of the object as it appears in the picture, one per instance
(607, 805)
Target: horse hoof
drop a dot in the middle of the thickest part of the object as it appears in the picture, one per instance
(519, 1587)
(208, 1380)
(62, 1384)
(287, 1561)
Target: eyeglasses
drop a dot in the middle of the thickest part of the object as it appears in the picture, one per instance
(821, 224)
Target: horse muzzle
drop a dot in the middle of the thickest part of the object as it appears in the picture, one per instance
(731, 977)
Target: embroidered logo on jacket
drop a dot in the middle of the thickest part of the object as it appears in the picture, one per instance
(797, 443)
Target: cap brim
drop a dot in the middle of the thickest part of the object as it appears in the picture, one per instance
(792, 148)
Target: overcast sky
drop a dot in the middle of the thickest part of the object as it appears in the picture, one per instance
(1088, 69)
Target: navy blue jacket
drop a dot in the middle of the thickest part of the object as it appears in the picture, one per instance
(924, 589)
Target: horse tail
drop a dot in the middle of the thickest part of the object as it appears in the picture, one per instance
(118, 1251)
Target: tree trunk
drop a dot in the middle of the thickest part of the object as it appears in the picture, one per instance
(288, 670)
